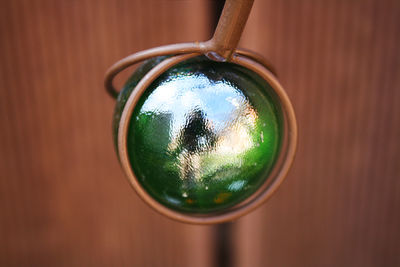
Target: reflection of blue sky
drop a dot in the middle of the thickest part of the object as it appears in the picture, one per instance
(181, 95)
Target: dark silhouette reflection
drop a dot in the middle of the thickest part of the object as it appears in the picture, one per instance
(197, 134)
(195, 137)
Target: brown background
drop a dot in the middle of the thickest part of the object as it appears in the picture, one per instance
(64, 200)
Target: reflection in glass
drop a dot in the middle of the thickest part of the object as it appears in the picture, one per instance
(204, 136)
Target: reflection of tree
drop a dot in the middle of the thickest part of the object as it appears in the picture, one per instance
(155, 130)
(195, 137)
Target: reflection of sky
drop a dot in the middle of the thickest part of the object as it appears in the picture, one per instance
(183, 94)
(225, 111)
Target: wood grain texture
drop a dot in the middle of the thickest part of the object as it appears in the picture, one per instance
(64, 200)
(340, 64)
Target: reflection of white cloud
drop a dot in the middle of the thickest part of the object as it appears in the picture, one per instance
(219, 88)
(233, 101)
(237, 185)
(190, 100)
(159, 99)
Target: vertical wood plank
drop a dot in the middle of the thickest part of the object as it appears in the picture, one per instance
(63, 196)
(339, 206)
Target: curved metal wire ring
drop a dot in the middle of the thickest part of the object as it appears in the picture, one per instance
(263, 193)
(174, 49)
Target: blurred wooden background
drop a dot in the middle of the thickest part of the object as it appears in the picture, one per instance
(64, 200)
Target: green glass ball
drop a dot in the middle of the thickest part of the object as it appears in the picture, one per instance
(204, 136)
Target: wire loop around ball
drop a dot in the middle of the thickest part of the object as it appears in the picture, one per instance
(271, 183)
(174, 49)
(221, 47)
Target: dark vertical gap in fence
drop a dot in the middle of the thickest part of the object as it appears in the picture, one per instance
(224, 245)
(216, 10)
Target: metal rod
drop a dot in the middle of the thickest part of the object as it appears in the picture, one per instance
(220, 47)
(230, 27)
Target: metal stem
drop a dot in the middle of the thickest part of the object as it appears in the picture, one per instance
(229, 29)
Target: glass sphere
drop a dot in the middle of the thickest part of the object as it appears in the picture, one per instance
(204, 136)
